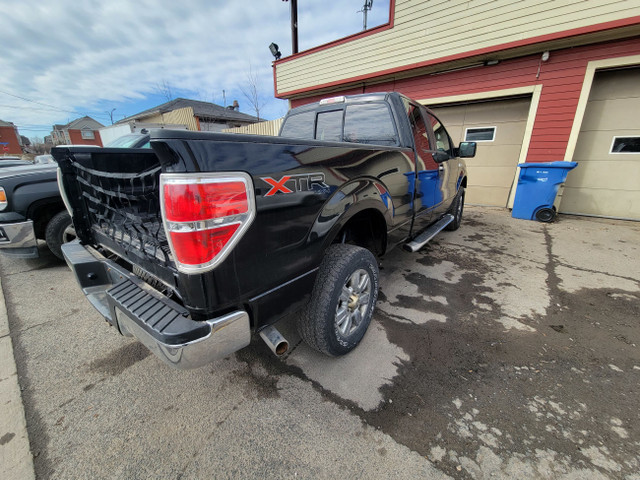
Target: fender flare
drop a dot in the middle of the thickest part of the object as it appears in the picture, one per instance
(350, 199)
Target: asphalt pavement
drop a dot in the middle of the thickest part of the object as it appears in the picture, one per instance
(507, 349)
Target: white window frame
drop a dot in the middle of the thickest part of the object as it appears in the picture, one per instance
(466, 130)
(87, 131)
(613, 142)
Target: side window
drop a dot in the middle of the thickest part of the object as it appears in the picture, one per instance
(369, 123)
(329, 126)
(299, 126)
(418, 128)
(443, 142)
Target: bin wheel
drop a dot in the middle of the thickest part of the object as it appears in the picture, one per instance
(546, 215)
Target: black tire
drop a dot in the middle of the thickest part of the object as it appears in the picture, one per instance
(456, 210)
(546, 215)
(59, 230)
(334, 321)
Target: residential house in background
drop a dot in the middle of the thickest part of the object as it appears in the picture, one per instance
(194, 115)
(10, 139)
(81, 131)
(530, 81)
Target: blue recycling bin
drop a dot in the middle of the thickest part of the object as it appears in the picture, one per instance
(538, 185)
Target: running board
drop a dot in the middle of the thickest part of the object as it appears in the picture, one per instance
(424, 238)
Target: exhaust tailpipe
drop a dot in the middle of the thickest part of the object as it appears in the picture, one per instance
(276, 342)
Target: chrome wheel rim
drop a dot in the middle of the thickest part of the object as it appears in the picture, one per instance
(69, 234)
(353, 304)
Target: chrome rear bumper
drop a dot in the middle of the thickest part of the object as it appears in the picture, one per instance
(18, 240)
(159, 323)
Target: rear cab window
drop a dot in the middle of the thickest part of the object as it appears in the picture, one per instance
(329, 126)
(371, 123)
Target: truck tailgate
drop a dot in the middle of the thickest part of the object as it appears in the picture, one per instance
(113, 195)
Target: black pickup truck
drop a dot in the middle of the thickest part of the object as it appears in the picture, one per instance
(208, 237)
(31, 208)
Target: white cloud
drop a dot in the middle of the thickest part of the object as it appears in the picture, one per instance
(83, 57)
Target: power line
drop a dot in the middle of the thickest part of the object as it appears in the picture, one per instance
(53, 107)
(47, 109)
(39, 103)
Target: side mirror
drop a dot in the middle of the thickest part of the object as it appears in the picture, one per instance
(439, 156)
(467, 149)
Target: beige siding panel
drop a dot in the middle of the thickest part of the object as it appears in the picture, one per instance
(271, 128)
(154, 119)
(595, 145)
(492, 171)
(600, 202)
(182, 116)
(455, 116)
(488, 176)
(611, 115)
(491, 196)
(623, 84)
(496, 155)
(606, 184)
(618, 175)
(422, 32)
(506, 111)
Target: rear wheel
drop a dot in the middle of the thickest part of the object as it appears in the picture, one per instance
(59, 230)
(342, 302)
(456, 210)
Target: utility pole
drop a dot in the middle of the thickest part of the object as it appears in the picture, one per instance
(294, 25)
(368, 5)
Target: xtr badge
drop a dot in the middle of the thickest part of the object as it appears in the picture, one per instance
(304, 182)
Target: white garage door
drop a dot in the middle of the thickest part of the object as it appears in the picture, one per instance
(607, 179)
(498, 126)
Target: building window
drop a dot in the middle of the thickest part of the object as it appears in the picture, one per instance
(88, 134)
(625, 145)
(480, 134)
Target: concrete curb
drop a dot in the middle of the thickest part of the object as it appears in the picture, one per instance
(16, 460)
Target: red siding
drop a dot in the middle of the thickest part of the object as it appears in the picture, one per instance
(76, 138)
(8, 135)
(561, 78)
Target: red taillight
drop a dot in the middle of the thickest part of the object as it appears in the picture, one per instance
(189, 202)
(196, 247)
(204, 216)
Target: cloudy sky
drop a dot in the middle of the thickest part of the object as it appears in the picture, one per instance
(63, 59)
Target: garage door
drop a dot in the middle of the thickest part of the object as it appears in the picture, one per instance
(606, 181)
(498, 126)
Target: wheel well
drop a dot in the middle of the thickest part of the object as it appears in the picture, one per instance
(41, 214)
(367, 229)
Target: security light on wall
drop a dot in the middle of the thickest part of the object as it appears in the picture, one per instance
(275, 51)
(545, 56)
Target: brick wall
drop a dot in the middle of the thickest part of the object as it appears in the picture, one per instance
(8, 134)
(76, 138)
